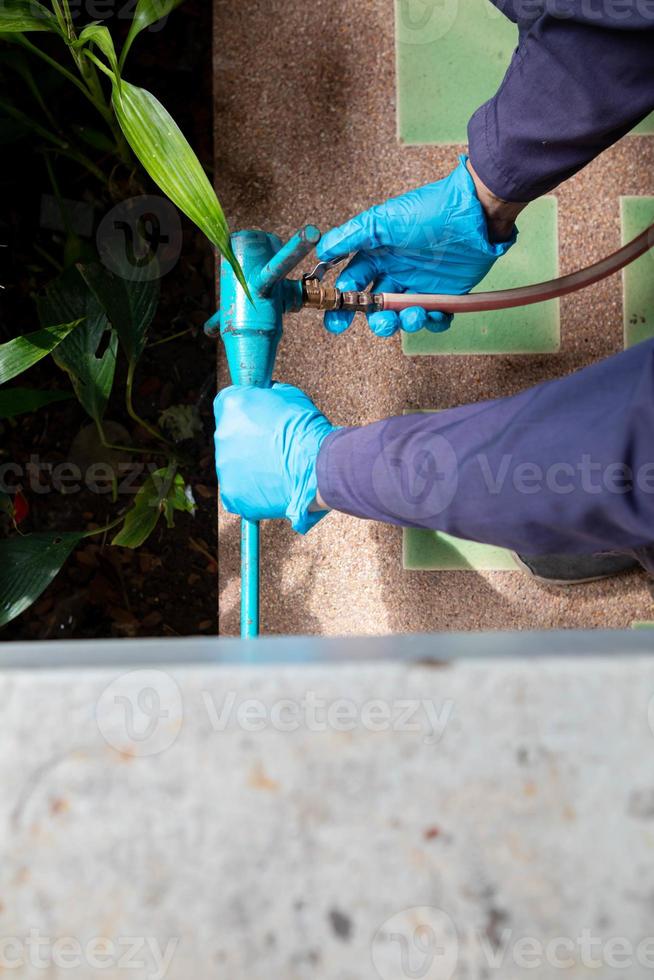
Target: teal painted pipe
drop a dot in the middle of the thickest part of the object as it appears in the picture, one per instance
(285, 260)
(250, 330)
(249, 578)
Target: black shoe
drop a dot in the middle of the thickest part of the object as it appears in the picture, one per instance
(574, 569)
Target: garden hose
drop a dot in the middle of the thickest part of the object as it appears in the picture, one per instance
(318, 296)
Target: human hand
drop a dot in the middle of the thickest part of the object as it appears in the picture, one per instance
(267, 442)
(432, 240)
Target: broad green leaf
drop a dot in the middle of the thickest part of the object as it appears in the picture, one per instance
(147, 12)
(17, 401)
(91, 373)
(26, 15)
(162, 148)
(28, 563)
(130, 304)
(99, 35)
(21, 353)
(163, 492)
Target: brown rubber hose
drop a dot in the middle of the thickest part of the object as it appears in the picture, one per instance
(504, 299)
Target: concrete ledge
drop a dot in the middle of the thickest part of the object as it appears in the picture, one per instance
(273, 819)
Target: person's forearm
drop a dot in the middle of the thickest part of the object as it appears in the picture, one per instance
(566, 467)
(575, 85)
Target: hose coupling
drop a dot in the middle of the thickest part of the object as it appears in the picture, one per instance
(319, 297)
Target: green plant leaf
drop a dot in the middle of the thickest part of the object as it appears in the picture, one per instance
(147, 12)
(91, 372)
(28, 563)
(26, 15)
(130, 304)
(17, 401)
(163, 492)
(162, 148)
(21, 353)
(99, 35)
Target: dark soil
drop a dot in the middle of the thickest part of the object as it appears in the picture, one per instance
(168, 585)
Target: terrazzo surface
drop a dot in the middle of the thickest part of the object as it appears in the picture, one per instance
(638, 280)
(305, 126)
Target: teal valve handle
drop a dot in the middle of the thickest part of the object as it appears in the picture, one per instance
(285, 260)
(250, 329)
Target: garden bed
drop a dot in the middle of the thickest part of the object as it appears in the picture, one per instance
(168, 585)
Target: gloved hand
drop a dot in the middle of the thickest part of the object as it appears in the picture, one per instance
(432, 240)
(267, 442)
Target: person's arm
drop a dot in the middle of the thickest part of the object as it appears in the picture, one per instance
(565, 467)
(577, 83)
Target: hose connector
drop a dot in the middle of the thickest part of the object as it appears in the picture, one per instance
(319, 297)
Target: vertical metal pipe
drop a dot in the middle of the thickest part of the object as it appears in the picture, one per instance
(249, 578)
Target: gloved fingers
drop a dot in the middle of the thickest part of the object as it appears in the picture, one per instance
(360, 271)
(385, 323)
(232, 395)
(349, 237)
(336, 321)
(439, 322)
(356, 275)
(293, 395)
(413, 319)
(228, 504)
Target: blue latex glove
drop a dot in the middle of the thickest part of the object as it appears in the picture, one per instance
(432, 240)
(267, 442)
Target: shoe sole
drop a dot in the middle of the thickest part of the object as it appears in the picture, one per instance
(560, 583)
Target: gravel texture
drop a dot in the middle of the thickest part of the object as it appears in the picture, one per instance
(305, 131)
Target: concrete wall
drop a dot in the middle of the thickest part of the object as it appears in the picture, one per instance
(415, 807)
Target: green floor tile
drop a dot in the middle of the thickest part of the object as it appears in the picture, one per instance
(451, 57)
(433, 551)
(638, 278)
(527, 330)
(642, 625)
(646, 128)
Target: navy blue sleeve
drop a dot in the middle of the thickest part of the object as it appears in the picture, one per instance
(581, 78)
(565, 467)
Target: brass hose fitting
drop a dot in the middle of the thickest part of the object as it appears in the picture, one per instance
(319, 297)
